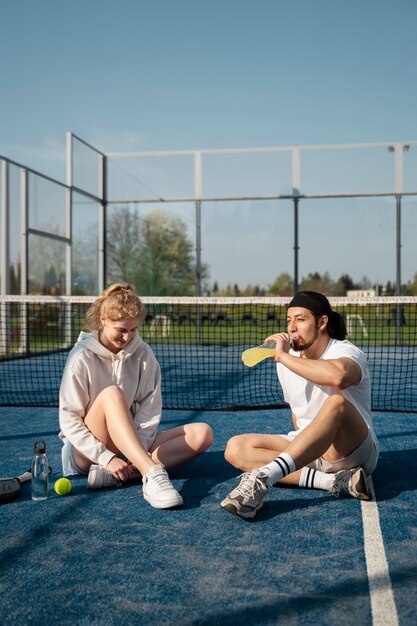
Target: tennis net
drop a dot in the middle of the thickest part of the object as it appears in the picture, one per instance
(198, 343)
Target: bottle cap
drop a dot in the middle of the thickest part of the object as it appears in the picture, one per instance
(39, 447)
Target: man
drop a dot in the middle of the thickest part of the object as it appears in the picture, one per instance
(325, 380)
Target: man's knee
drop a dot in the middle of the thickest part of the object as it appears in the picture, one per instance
(233, 449)
(337, 404)
(347, 416)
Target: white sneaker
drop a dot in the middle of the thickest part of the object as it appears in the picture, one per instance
(99, 477)
(158, 489)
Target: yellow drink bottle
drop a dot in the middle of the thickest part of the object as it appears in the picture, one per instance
(253, 356)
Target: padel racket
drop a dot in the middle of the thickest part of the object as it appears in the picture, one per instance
(10, 487)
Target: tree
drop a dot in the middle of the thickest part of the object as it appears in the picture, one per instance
(389, 289)
(124, 246)
(283, 285)
(46, 264)
(153, 253)
(316, 282)
(413, 286)
(365, 283)
(344, 284)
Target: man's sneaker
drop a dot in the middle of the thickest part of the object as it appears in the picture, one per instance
(158, 489)
(248, 497)
(99, 477)
(351, 483)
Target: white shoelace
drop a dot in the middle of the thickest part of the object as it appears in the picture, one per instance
(248, 485)
(160, 478)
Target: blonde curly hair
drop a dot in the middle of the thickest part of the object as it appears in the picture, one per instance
(119, 301)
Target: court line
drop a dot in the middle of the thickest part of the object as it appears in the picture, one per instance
(384, 611)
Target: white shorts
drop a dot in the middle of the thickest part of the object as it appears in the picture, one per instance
(69, 467)
(366, 456)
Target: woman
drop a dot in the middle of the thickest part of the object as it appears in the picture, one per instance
(110, 405)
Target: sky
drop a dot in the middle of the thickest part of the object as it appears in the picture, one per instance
(135, 75)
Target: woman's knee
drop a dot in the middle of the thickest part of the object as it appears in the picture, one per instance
(110, 398)
(202, 436)
(112, 391)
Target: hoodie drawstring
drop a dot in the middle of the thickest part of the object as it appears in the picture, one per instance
(116, 368)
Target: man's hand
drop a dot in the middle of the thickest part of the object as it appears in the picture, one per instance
(282, 344)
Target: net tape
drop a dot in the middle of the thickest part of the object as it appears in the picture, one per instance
(198, 343)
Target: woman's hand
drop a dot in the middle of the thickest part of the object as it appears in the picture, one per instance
(121, 470)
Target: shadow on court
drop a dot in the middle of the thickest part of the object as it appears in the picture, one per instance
(106, 557)
(396, 474)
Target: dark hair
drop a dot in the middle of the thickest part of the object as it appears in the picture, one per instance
(319, 305)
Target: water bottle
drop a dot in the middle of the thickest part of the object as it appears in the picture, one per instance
(40, 471)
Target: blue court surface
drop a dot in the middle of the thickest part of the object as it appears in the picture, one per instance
(106, 557)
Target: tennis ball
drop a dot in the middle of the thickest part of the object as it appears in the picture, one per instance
(63, 486)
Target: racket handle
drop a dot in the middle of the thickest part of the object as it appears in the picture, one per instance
(23, 478)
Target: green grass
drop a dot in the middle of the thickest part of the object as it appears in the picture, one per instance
(43, 327)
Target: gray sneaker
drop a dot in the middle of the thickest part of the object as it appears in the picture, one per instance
(99, 477)
(351, 483)
(248, 497)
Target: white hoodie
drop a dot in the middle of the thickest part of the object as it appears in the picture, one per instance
(89, 369)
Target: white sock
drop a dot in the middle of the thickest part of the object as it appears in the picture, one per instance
(314, 479)
(277, 469)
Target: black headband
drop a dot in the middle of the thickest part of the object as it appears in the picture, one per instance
(312, 304)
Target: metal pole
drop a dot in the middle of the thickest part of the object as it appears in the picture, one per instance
(68, 247)
(5, 317)
(197, 193)
(5, 230)
(198, 246)
(68, 257)
(398, 247)
(296, 246)
(102, 264)
(399, 312)
(399, 168)
(296, 186)
(24, 232)
(24, 245)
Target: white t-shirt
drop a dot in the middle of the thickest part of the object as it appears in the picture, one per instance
(306, 398)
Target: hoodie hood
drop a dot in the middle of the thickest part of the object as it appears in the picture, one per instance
(91, 342)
